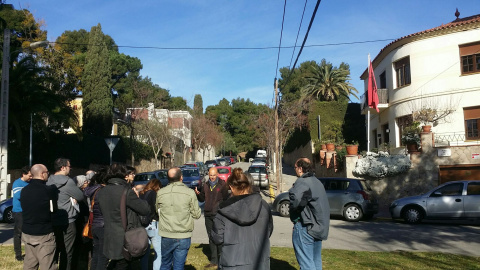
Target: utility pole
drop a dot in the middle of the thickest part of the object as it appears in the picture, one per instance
(4, 177)
(278, 162)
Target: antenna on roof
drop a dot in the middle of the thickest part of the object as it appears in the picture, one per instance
(457, 13)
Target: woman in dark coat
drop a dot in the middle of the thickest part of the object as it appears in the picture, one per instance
(243, 225)
(99, 261)
(109, 200)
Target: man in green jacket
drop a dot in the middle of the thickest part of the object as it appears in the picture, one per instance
(177, 206)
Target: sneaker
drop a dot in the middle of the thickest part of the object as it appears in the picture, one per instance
(19, 258)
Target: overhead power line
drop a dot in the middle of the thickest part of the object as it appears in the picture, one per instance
(298, 33)
(281, 34)
(232, 48)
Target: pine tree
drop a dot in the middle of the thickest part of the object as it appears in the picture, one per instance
(97, 97)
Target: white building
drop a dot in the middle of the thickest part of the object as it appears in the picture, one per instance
(436, 68)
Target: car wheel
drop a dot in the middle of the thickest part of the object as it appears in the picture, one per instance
(8, 215)
(352, 212)
(284, 209)
(412, 215)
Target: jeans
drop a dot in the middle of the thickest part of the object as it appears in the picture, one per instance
(156, 240)
(174, 251)
(99, 261)
(17, 234)
(307, 250)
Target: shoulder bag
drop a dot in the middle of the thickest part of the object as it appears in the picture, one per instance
(87, 230)
(135, 242)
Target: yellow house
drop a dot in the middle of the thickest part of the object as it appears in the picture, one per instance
(76, 104)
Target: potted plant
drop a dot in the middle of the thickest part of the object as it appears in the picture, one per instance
(352, 148)
(411, 136)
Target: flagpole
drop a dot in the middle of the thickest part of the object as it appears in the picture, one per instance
(368, 111)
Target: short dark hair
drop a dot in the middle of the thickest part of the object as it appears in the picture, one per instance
(100, 177)
(176, 176)
(305, 164)
(117, 171)
(130, 170)
(60, 162)
(25, 169)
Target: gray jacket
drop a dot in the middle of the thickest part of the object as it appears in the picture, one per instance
(67, 189)
(309, 205)
(243, 225)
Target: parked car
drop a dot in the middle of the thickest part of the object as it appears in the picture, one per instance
(224, 172)
(260, 175)
(261, 153)
(259, 161)
(192, 177)
(211, 163)
(452, 200)
(222, 162)
(143, 178)
(347, 197)
(6, 214)
(198, 165)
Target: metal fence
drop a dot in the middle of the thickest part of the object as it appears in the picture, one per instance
(452, 138)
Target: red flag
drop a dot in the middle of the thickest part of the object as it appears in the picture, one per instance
(372, 89)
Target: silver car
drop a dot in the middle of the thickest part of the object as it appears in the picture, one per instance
(452, 200)
(351, 198)
(259, 175)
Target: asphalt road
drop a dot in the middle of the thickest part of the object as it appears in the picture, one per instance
(381, 234)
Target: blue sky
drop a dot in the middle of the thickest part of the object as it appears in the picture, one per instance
(217, 74)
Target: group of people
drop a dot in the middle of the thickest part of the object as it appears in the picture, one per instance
(238, 221)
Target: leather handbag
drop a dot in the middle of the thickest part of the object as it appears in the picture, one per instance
(87, 230)
(135, 241)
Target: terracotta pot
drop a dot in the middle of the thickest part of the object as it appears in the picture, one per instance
(324, 147)
(352, 149)
(330, 147)
(412, 147)
(426, 128)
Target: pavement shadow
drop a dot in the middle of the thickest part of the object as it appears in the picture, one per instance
(280, 265)
(433, 234)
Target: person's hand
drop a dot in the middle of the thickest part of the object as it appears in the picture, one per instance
(136, 191)
(196, 191)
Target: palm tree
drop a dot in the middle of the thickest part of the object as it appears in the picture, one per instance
(327, 82)
(29, 95)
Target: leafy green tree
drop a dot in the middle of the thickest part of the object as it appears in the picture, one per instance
(97, 98)
(178, 104)
(197, 105)
(327, 82)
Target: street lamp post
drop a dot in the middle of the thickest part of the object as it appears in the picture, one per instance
(4, 177)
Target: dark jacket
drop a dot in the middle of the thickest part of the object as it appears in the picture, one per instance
(213, 196)
(309, 205)
(35, 201)
(97, 213)
(109, 200)
(244, 225)
(66, 189)
(151, 198)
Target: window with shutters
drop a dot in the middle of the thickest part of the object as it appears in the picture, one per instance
(402, 71)
(470, 58)
(472, 122)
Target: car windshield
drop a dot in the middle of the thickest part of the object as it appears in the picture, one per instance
(190, 165)
(190, 173)
(223, 171)
(143, 177)
(257, 170)
(210, 162)
(259, 160)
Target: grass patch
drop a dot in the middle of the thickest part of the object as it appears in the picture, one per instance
(284, 259)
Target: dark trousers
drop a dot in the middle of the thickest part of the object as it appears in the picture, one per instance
(118, 264)
(17, 234)
(214, 249)
(65, 238)
(99, 261)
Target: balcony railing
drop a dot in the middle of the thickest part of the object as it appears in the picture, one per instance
(382, 98)
(452, 139)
